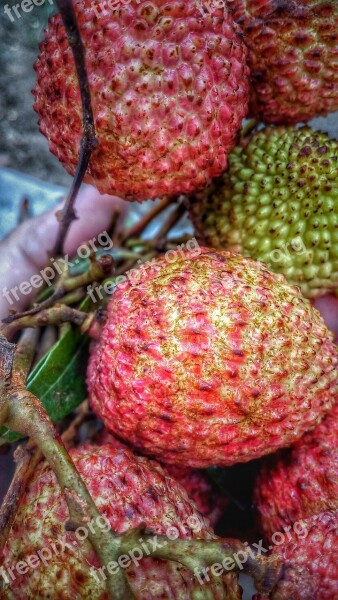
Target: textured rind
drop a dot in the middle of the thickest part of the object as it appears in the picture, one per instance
(293, 57)
(301, 486)
(210, 359)
(303, 481)
(129, 491)
(169, 89)
(278, 202)
(310, 567)
(210, 502)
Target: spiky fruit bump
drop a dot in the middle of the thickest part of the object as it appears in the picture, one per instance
(293, 57)
(128, 491)
(297, 492)
(169, 89)
(278, 202)
(207, 358)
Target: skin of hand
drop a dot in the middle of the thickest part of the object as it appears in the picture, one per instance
(24, 252)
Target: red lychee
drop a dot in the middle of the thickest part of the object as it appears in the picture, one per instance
(303, 481)
(128, 492)
(293, 57)
(210, 501)
(207, 359)
(169, 89)
(297, 494)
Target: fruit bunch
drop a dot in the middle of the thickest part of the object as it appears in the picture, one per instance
(208, 355)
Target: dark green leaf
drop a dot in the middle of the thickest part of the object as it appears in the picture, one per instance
(58, 380)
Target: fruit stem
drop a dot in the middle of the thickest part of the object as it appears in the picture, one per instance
(139, 227)
(196, 555)
(51, 316)
(89, 141)
(159, 240)
(22, 412)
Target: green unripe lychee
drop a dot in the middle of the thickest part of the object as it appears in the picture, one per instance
(278, 203)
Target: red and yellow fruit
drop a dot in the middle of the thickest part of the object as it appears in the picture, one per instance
(129, 492)
(169, 89)
(210, 359)
(293, 57)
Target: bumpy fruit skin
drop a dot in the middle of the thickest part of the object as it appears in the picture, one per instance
(293, 57)
(129, 491)
(210, 502)
(210, 359)
(278, 202)
(302, 486)
(310, 569)
(303, 481)
(169, 89)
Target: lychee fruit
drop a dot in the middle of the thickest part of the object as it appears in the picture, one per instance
(169, 89)
(129, 491)
(297, 493)
(211, 501)
(309, 558)
(293, 57)
(278, 202)
(207, 359)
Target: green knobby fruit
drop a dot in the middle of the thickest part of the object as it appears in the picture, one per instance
(278, 203)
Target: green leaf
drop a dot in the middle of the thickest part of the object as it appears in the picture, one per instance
(58, 380)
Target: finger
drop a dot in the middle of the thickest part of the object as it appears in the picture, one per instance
(25, 252)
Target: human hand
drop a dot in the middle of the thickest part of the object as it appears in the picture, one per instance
(25, 251)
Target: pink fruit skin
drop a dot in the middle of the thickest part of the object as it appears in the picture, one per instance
(210, 502)
(310, 568)
(169, 89)
(301, 486)
(129, 491)
(293, 57)
(211, 360)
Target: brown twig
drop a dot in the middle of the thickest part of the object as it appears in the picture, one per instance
(24, 211)
(81, 414)
(89, 141)
(99, 269)
(139, 227)
(25, 352)
(113, 229)
(172, 220)
(52, 316)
